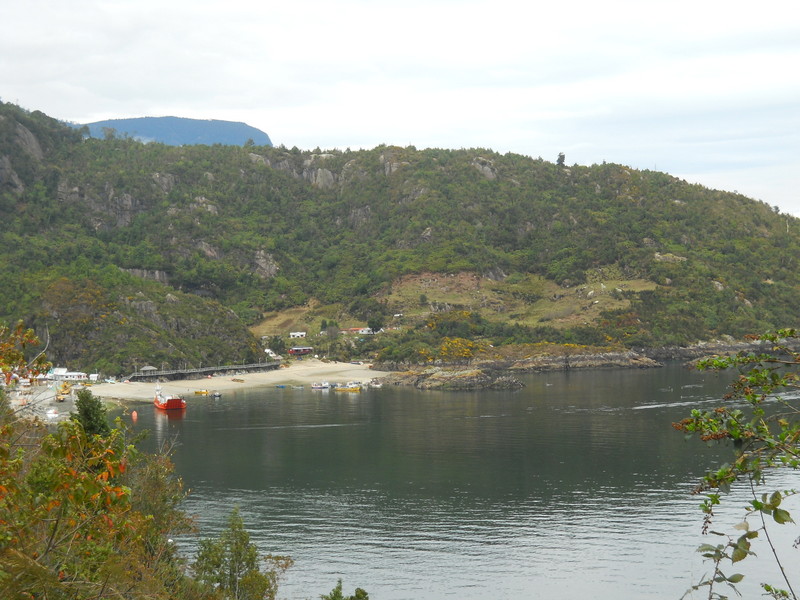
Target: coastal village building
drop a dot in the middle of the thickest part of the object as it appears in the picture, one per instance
(300, 350)
(62, 374)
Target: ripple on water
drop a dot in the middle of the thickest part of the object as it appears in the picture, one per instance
(576, 489)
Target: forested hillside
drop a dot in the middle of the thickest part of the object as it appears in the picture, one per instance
(126, 251)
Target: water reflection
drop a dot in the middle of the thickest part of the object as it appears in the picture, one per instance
(575, 486)
(166, 426)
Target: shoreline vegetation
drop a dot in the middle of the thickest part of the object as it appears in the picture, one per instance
(500, 372)
(479, 374)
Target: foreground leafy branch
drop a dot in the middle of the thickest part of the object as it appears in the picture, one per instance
(765, 435)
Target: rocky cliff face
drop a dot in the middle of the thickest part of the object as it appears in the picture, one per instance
(21, 148)
(9, 180)
(28, 142)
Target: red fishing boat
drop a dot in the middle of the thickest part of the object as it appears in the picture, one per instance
(169, 401)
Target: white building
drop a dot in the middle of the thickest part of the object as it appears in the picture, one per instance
(62, 374)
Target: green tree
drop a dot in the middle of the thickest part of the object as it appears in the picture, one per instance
(71, 525)
(230, 565)
(337, 594)
(91, 414)
(376, 322)
(764, 436)
(277, 344)
(83, 516)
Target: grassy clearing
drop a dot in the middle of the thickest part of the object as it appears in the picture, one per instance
(524, 299)
(528, 300)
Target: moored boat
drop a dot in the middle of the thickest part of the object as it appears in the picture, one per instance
(201, 392)
(168, 401)
(321, 385)
(350, 386)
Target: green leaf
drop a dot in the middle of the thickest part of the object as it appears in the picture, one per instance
(735, 578)
(738, 554)
(775, 499)
(782, 516)
(743, 543)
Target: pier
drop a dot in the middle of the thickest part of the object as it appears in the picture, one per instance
(153, 375)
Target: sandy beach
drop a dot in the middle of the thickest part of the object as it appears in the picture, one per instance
(304, 372)
(41, 401)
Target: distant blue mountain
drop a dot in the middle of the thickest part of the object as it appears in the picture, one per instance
(177, 131)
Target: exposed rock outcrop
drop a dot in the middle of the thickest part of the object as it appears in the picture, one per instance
(321, 178)
(164, 181)
(605, 360)
(485, 167)
(153, 275)
(9, 178)
(28, 142)
(454, 379)
(499, 374)
(202, 203)
(318, 176)
(265, 265)
(705, 349)
(390, 162)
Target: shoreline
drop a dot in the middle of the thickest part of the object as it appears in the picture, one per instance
(40, 401)
(304, 372)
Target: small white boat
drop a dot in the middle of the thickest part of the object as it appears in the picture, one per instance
(322, 385)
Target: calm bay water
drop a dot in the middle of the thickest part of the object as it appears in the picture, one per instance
(574, 487)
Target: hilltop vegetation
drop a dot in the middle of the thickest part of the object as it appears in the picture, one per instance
(126, 251)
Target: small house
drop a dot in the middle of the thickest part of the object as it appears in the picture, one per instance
(300, 350)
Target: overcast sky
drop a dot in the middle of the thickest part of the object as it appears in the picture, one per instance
(704, 90)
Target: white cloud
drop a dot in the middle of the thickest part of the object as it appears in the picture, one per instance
(703, 89)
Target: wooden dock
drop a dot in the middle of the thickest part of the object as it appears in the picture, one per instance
(153, 375)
